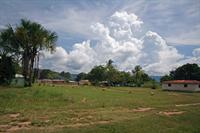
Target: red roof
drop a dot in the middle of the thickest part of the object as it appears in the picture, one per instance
(182, 82)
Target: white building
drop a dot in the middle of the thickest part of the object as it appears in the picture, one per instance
(181, 85)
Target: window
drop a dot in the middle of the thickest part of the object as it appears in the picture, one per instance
(185, 85)
(169, 85)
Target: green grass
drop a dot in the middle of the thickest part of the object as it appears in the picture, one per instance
(88, 109)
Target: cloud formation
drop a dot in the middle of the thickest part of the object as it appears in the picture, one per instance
(123, 39)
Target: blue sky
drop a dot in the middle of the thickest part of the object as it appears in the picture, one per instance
(177, 22)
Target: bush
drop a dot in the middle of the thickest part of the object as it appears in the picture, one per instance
(151, 84)
(7, 70)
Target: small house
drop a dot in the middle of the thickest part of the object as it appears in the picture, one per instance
(181, 85)
(18, 80)
(51, 81)
(72, 82)
(84, 82)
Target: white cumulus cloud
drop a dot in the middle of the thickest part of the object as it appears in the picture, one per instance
(196, 52)
(122, 39)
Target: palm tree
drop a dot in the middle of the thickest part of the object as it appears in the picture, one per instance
(8, 45)
(31, 38)
(138, 73)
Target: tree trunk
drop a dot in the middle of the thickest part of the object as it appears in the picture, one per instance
(25, 66)
(31, 70)
(36, 69)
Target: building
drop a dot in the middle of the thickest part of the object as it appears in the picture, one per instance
(51, 81)
(181, 85)
(84, 82)
(72, 83)
(18, 80)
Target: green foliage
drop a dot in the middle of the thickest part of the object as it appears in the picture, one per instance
(7, 69)
(81, 76)
(97, 74)
(114, 77)
(66, 75)
(49, 74)
(8, 42)
(109, 74)
(139, 76)
(186, 72)
(26, 40)
(151, 84)
(112, 74)
(165, 78)
(125, 78)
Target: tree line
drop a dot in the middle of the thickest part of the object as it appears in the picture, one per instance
(49, 74)
(109, 75)
(184, 72)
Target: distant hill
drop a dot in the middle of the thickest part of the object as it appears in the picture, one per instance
(156, 78)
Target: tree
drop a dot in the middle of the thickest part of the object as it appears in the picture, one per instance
(8, 43)
(165, 78)
(7, 70)
(137, 74)
(65, 75)
(186, 72)
(109, 63)
(140, 76)
(145, 77)
(97, 74)
(48, 74)
(125, 78)
(8, 56)
(81, 76)
(27, 39)
(113, 76)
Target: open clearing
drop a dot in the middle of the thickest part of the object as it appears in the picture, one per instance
(88, 109)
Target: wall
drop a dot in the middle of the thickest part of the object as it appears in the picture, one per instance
(198, 88)
(18, 82)
(190, 87)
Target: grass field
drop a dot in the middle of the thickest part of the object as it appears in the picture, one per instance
(88, 109)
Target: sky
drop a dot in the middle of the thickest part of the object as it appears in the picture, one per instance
(158, 35)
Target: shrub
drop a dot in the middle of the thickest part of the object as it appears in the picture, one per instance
(151, 84)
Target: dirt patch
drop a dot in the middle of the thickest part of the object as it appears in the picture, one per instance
(17, 126)
(170, 113)
(90, 113)
(133, 110)
(15, 115)
(3, 128)
(87, 124)
(78, 125)
(142, 109)
(174, 94)
(24, 124)
(185, 105)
